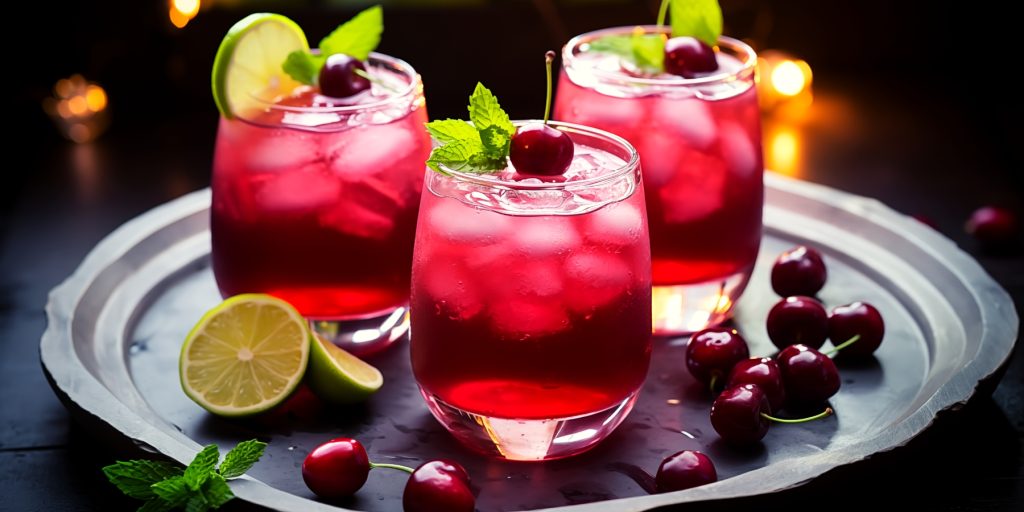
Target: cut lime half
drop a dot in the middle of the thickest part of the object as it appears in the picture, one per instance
(339, 377)
(245, 356)
(247, 70)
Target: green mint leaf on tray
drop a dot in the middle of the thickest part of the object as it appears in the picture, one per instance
(241, 458)
(480, 146)
(356, 37)
(200, 468)
(199, 487)
(134, 477)
(697, 18)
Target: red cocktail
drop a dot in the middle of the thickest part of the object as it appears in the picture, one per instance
(315, 199)
(531, 301)
(700, 143)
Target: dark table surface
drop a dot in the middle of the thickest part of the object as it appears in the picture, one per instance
(923, 147)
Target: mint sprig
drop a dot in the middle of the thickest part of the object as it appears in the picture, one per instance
(701, 19)
(479, 146)
(197, 488)
(356, 37)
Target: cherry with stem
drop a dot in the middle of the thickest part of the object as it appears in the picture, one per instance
(537, 149)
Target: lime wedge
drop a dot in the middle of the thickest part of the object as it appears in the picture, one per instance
(245, 356)
(247, 69)
(339, 377)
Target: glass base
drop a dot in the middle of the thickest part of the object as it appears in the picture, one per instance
(687, 308)
(364, 336)
(529, 440)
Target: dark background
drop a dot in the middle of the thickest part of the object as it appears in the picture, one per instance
(915, 104)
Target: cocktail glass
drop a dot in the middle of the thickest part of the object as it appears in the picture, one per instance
(700, 143)
(315, 202)
(531, 301)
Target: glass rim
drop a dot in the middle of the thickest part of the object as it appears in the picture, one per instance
(741, 48)
(490, 180)
(388, 61)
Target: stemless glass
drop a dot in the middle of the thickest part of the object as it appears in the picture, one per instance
(531, 302)
(318, 206)
(700, 143)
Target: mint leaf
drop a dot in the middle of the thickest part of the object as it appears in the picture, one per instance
(618, 45)
(134, 477)
(303, 66)
(173, 491)
(197, 503)
(485, 112)
(451, 130)
(496, 142)
(200, 468)
(356, 37)
(697, 18)
(241, 458)
(649, 51)
(216, 491)
(456, 155)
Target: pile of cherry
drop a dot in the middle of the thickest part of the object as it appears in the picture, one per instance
(799, 379)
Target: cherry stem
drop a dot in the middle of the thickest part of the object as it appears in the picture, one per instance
(375, 80)
(843, 345)
(662, 12)
(822, 414)
(407, 469)
(711, 385)
(549, 57)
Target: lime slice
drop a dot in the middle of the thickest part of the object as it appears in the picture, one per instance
(245, 356)
(339, 377)
(247, 69)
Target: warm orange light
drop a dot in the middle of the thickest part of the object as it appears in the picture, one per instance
(96, 98)
(64, 88)
(789, 78)
(77, 105)
(187, 7)
(178, 19)
(783, 151)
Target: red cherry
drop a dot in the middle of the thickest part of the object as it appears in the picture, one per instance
(810, 377)
(336, 469)
(798, 320)
(538, 149)
(765, 373)
(799, 271)
(683, 470)
(711, 353)
(338, 76)
(739, 414)
(438, 485)
(992, 225)
(859, 318)
(689, 57)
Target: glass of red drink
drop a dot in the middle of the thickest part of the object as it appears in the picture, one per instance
(315, 201)
(700, 143)
(531, 301)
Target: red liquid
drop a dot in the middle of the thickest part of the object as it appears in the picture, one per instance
(531, 317)
(702, 171)
(322, 219)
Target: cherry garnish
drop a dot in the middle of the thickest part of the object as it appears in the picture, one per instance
(810, 377)
(799, 271)
(336, 469)
(683, 470)
(992, 225)
(339, 77)
(796, 320)
(689, 57)
(711, 354)
(438, 485)
(765, 373)
(858, 318)
(741, 414)
(538, 149)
